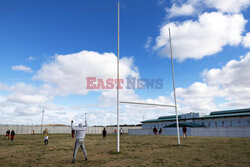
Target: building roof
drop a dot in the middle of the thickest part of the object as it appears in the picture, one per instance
(169, 117)
(216, 114)
(230, 111)
(184, 124)
(159, 120)
(226, 115)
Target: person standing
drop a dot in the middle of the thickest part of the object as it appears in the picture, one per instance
(33, 132)
(8, 134)
(73, 134)
(155, 131)
(80, 131)
(184, 130)
(12, 135)
(46, 137)
(160, 131)
(104, 133)
(121, 131)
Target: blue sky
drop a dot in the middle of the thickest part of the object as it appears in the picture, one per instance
(48, 48)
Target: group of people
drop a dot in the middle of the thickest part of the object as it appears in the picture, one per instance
(184, 130)
(104, 132)
(10, 135)
(155, 131)
(79, 133)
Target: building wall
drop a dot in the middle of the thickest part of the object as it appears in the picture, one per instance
(225, 122)
(212, 122)
(212, 131)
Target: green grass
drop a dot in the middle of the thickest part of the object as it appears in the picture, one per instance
(145, 151)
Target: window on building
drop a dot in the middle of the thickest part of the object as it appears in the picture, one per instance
(215, 124)
(222, 124)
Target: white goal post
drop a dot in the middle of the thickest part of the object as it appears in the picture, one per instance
(138, 103)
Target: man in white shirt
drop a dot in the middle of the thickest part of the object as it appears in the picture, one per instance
(80, 135)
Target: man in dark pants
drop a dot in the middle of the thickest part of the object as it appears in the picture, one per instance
(12, 135)
(184, 130)
(155, 131)
(104, 133)
(8, 134)
(80, 135)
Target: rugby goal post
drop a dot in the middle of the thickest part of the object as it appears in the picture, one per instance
(138, 103)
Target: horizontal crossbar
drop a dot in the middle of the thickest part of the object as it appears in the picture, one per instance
(150, 104)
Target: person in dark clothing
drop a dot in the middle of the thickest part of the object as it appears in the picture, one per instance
(184, 130)
(8, 134)
(160, 131)
(121, 131)
(104, 133)
(12, 135)
(155, 131)
(73, 134)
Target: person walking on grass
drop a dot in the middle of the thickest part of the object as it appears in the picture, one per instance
(72, 134)
(121, 131)
(8, 134)
(104, 133)
(12, 135)
(80, 131)
(155, 131)
(160, 131)
(46, 139)
(184, 130)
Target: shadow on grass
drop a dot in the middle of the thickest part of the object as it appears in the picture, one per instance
(114, 152)
(176, 145)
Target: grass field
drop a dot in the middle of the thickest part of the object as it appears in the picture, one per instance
(29, 150)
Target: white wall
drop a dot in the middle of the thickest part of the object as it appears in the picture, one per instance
(218, 132)
(27, 129)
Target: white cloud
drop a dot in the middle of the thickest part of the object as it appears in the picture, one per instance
(183, 10)
(199, 97)
(68, 72)
(234, 73)
(61, 77)
(205, 37)
(31, 58)
(228, 6)
(28, 98)
(246, 40)
(148, 43)
(234, 78)
(29, 94)
(229, 83)
(21, 68)
(192, 7)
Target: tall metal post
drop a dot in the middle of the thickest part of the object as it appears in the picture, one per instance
(177, 121)
(12, 120)
(118, 54)
(42, 121)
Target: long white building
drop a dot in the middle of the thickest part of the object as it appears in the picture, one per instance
(229, 123)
